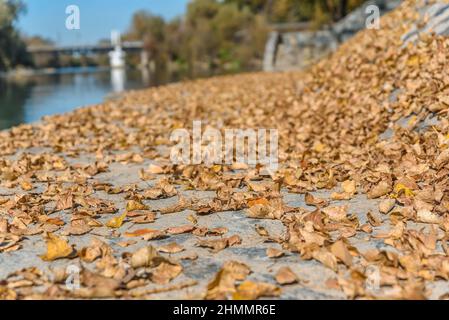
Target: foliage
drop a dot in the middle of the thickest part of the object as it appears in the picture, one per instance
(316, 11)
(12, 48)
(211, 37)
(225, 36)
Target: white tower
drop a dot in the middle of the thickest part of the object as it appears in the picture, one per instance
(116, 57)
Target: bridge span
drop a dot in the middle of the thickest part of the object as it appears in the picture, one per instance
(98, 48)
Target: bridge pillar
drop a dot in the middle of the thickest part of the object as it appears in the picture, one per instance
(116, 57)
(144, 59)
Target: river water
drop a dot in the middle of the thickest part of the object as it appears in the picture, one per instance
(33, 97)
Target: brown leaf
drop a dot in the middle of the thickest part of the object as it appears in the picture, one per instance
(155, 169)
(223, 284)
(171, 248)
(386, 205)
(349, 186)
(381, 189)
(340, 250)
(139, 233)
(336, 213)
(373, 219)
(135, 205)
(146, 257)
(144, 218)
(64, 202)
(311, 200)
(427, 216)
(154, 235)
(325, 257)
(219, 244)
(96, 286)
(263, 211)
(165, 272)
(249, 290)
(274, 253)
(181, 229)
(286, 276)
(96, 250)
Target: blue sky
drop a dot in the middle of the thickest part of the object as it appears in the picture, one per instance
(98, 17)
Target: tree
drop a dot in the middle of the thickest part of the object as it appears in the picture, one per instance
(12, 48)
(315, 11)
(218, 36)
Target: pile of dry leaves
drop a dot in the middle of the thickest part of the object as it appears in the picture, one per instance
(332, 123)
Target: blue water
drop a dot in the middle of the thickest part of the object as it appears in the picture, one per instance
(30, 99)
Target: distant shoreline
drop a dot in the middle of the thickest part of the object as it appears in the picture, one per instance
(18, 74)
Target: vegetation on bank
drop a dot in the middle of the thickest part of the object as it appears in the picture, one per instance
(12, 47)
(226, 36)
(212, 37)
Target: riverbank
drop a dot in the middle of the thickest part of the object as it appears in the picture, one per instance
(358, 208)
(23, 73)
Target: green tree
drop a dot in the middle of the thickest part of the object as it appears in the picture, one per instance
(316, 11)
(12, 48)
(222, 37)
(219, 36)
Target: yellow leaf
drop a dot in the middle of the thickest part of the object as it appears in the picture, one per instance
(192, 219)
(318, 147)
(413, 61)
(349, 186)
(262, 201)
(116, 222)
(249, 290)
(26, 186)
(411, 121)
(135, 205)
(56, 248)
(400, 187)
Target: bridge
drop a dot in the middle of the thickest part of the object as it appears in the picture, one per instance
(99, 48)
(116, 50)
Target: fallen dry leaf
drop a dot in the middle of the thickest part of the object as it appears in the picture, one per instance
(386, 205)
(116, 222)
(135, 205)
(286, 276)
(181, 229)
(57, 248)
(249, 290)
(219, 244)
(165, 272)
(274, 253)
(336, 213)
(223, 284)
(340, 250)
(171, 248)
(146, 257)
